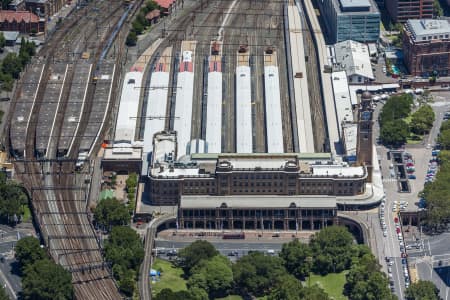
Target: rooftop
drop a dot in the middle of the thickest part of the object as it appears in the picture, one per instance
(354, 58)
(18, 16)
(260, 201)
(430, 29)
(355, 5)
(11, 35)
(128, 108)
(342, 99)
(350, 134)
(337, 170)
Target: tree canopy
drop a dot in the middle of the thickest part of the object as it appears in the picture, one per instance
(422, 290)
(45, 280)
(28, 250)
(125, 251)
(257, 273)
(437, 196)
(213, 275)
(110, 212)
(3, 294)
(12, 200)
(394, 130)
(422, 119)
(297, 258)
(199, 250)
(332, 248)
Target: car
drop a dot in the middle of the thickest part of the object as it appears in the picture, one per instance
(233, 253)
(390, 275)
(389, 270)
(409, 164)
(391, 263)
(412, 176)
(406, 284)
(392, 288)
(398, 230)
(403, 261)
(400, 237)
(385, 233)
(271, 252)
(408, 247)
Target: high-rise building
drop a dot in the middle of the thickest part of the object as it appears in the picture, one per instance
(426, 47)
(403, 10)
(357, 20)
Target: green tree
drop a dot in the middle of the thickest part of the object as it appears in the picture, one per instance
(366, 281)
(288, 288)
(396, 107)
(191, 294)
(437, 9)
(191, 255)
(131, 39)
(28, 250)
(12, 200)
(333, 250)
(213, 275)
(295, 255)
(422, 120)
(12, 65)
(394, 132)
(422, 290)
(3, 294)
(444, 138)
(124, 247)
(45, 280)
(257, 273)
(132, 181)
(2, 40)
(110, 212)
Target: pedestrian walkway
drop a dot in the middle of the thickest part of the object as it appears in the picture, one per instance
(413, 274)
(389, 180)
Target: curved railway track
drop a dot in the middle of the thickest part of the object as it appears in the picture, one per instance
(58, 193)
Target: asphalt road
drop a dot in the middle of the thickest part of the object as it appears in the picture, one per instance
(389, 246)
(240, 247)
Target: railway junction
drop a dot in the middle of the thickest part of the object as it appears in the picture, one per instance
(233, 119)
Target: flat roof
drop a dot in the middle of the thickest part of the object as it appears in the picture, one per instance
(354, 58)
(156, 106)
(301, 92)
(342, 100)
(11, 35)
(337, 170)
(244, 133)
(125, 153)
(183, 110)
(257, 201)
(214, 113)
(128, 108)
(350, 133)
(256, 162)
(274, 124)
(300, 156)
(431, 29)
(354, 3)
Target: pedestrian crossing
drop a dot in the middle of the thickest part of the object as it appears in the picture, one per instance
(389, 180)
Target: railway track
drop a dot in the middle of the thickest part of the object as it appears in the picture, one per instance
(58, 193)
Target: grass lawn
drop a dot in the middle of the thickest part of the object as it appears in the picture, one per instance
(333, 284)
(171, 277)
(26, 213)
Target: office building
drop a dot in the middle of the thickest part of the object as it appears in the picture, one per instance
(426, 47)
(404, 10)
(357, 20)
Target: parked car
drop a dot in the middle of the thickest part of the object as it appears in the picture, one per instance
(411, 176)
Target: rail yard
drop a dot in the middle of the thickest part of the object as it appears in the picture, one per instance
(242, 77)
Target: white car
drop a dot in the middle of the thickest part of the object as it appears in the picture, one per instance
(385, 233)
(391, 263)
(400, 237)
(389, 270)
